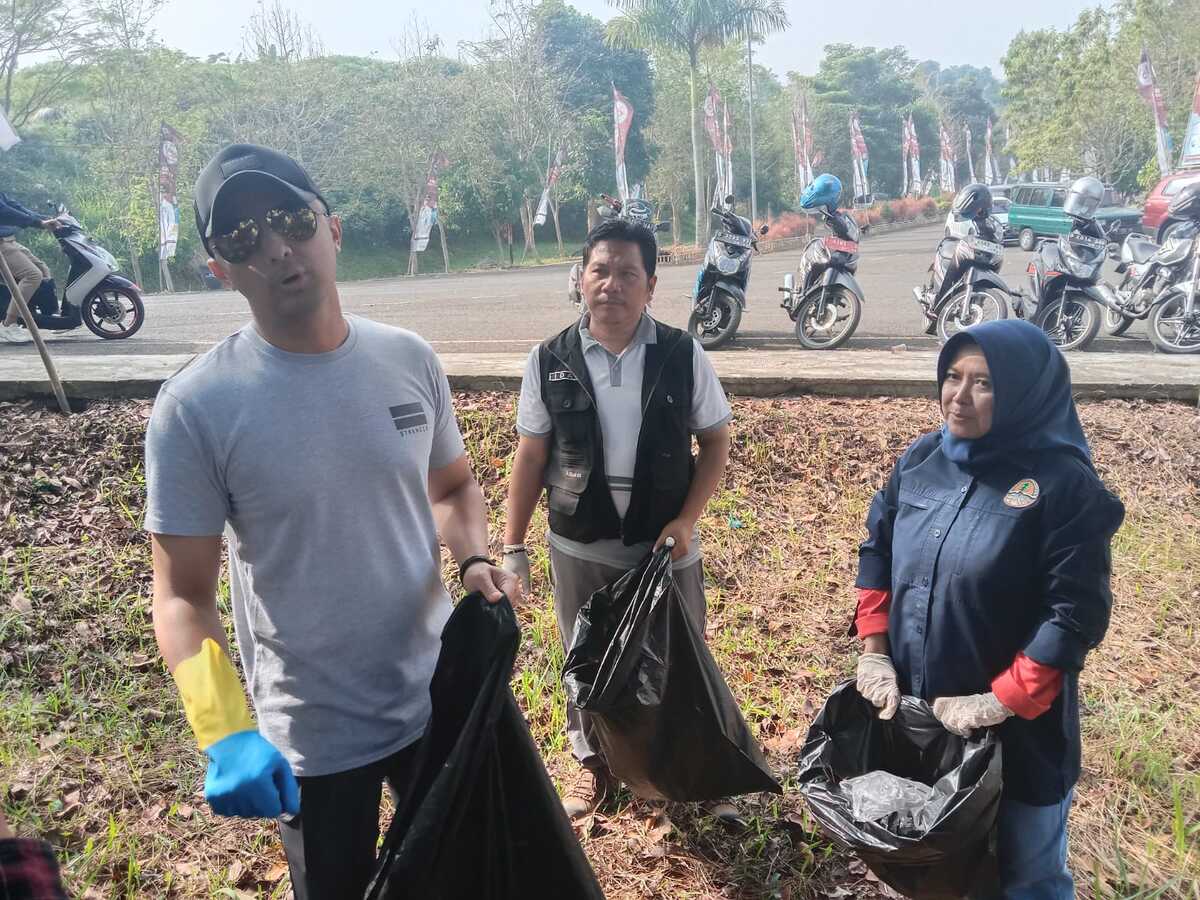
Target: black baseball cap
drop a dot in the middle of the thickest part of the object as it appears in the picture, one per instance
(239, 164)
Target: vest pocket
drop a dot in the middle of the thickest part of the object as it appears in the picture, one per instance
(563, 501)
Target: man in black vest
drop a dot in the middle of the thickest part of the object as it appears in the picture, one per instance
(607, 412)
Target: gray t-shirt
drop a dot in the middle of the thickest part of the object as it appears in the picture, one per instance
(319, 463)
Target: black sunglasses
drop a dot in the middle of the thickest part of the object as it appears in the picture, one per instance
(239, 243)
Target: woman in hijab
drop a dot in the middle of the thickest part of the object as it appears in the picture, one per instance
(985, 581)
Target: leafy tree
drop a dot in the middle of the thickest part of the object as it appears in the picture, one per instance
(688, 26)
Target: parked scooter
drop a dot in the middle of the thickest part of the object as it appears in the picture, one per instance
(828, 305)
(1160, 283)
(1064, 276)
(635, 209)
(96, 295)
(719, 296)
(965, 287)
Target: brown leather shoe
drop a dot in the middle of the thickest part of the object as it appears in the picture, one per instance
(587, 791)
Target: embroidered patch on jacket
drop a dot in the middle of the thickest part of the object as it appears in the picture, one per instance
(562, 375)
(1023, 494)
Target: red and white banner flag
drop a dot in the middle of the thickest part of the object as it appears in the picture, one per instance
(8, 136)
(948, 158)
(910, 159)
(716, 124)
(551, 179)
(991, 167)
(622, 119)
(1190, 157)
(1148, 87)
(970, 159)
(728, 153)
(802, 142)
(168, 201)
(428, 215)
(858, 150)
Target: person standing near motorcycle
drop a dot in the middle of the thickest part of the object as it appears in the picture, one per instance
(606, 416)
(984, 581)
(326, 448)
(28, 271)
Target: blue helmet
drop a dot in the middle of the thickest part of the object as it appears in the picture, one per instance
(824, 191)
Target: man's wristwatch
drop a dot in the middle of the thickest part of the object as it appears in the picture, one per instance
(470, 561)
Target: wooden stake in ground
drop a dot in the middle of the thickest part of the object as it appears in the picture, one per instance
(36, 333)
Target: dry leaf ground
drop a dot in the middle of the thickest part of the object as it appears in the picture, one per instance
(95, 755)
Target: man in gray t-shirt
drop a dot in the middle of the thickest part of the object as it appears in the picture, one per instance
(325, 448)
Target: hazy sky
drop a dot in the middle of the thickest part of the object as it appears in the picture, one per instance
(950, 31)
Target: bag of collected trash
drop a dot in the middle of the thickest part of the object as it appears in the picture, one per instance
(481, 819)
(915, 802)
(668, 725)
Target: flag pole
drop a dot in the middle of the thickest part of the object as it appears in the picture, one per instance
(36, 333)
(750, 81)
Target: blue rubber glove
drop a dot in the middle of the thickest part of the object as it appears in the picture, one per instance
(248, 777)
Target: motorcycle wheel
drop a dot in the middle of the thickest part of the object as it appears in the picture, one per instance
(985, 306)
(1115, 323)
(1072, 323)
(842, 312)
(721, 323)
(1170, 332)
(113, 313)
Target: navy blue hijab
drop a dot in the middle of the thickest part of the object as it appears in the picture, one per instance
(1031, 383)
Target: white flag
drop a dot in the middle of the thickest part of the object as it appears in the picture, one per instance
(8, 137)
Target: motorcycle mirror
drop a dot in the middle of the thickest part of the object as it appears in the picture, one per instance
(764, 229)
(789, 281)
(729, 200)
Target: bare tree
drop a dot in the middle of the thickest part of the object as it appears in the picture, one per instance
(277, 33)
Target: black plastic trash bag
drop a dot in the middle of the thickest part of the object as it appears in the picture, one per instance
(667, 722)
(924, 816)
(481, 820)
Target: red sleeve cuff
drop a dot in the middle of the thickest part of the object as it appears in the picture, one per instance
(1028, 687)
(872, 615)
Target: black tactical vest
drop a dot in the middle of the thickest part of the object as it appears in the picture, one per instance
(581, 506)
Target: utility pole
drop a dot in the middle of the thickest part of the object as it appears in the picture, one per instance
(750, 80)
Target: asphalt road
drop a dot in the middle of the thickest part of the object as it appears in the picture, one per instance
(511, 311)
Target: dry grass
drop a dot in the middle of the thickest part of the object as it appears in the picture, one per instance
(94, 753)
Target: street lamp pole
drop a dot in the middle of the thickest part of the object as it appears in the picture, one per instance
(750, 80)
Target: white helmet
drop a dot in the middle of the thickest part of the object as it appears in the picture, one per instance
(1084, 197)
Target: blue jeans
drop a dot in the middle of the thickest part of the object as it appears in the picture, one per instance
(1032, 851)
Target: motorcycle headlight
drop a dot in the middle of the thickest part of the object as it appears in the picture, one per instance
(726, 264)
(1079, 266)
(818, 252)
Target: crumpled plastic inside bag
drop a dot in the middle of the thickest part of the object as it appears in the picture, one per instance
(878, 796)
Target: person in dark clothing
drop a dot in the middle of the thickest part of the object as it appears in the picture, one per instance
(28, 271)
(28, 869)
(984, 581)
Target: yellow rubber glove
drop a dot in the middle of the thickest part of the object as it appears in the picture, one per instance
(212, 695)
(247, 776)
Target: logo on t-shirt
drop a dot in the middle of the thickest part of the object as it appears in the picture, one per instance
(409, 417)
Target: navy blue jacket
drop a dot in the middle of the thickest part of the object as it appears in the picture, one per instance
(974, 581)
(14, 216)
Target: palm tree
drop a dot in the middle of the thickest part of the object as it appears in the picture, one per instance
(687, 26)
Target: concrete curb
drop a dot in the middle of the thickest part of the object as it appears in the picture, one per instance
(752, 373)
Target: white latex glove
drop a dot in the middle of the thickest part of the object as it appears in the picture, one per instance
(962, 715)
(517, 562)
(877, 683)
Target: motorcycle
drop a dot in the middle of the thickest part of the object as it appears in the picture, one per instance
(634, 209)
(1159, 284)
(1064, 278)
(719, 296)
(965, 287)
(96, 295)
(828, 305)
